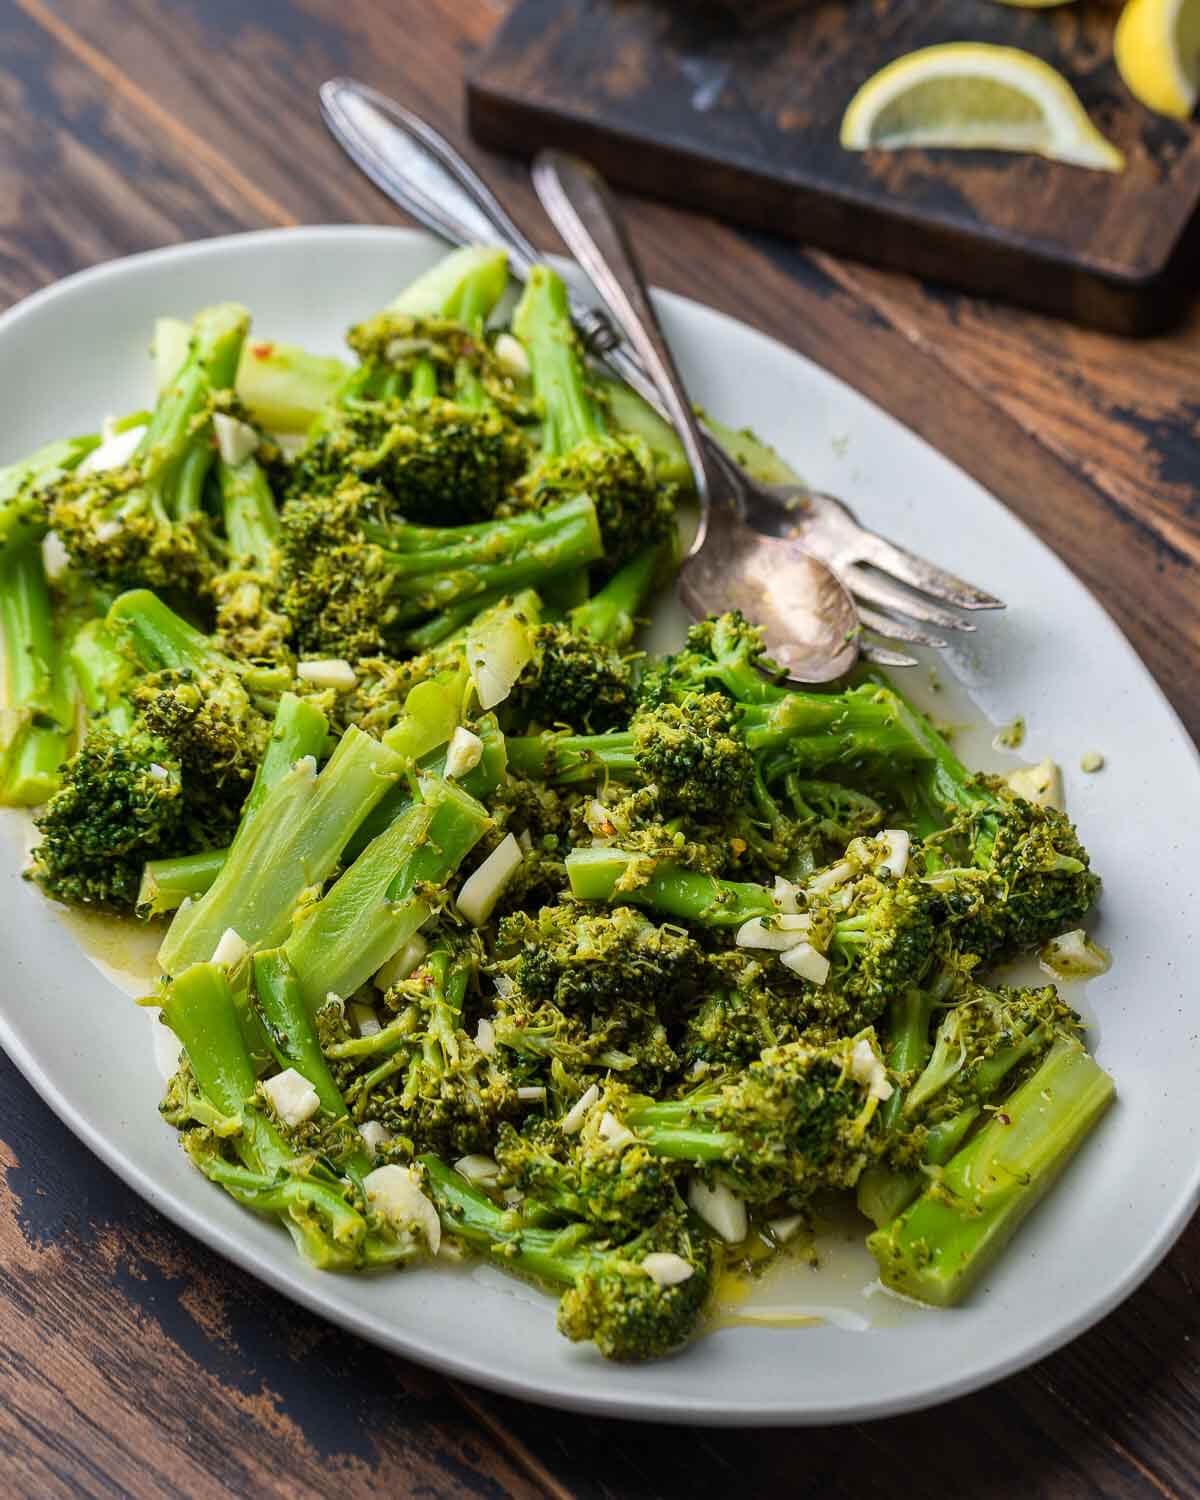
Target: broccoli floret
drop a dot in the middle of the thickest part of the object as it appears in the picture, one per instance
(612, 1299)
(144, 523)
(354, 584)
(615, 1184)
(578, 457)
(798, 1119)
(692, 752)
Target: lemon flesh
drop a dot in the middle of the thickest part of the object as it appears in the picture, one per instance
(971, 95)
(1157, 50)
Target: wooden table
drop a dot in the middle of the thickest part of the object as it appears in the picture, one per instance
(134, 1362)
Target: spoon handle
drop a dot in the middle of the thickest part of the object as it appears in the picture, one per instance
(584, 212)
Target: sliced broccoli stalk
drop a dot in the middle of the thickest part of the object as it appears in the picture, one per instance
(626, 412)
(300, 729)
(939, 1247)
(290, 844)
(612, 613)
(285, 388)
(329, 1232)
(388, 893)
(247, 587)
(37, 711)
(610, 1298)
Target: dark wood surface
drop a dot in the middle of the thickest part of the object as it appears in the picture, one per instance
(135, 1363)
(736, 109)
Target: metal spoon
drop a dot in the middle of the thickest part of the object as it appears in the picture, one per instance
(807, 615)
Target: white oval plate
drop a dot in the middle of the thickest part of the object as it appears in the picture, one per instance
(77, 351)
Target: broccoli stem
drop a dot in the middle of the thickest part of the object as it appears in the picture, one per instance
(249, 512)
(463, 286)
(201, 1010)
(471, 1215)
(291, 842)
(285, 388)
(300, 729)
(610, 615)
(542, 321)
(601, 874)
(388, 893)
(163, 640)
(472, 561)
(37, 713)
(281, 1001)
(939, 1247)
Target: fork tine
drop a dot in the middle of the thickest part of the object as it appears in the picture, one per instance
(876, 590)
(882, 657)
(920, 574)
(897, 630)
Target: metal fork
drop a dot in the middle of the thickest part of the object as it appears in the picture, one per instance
(415, 166)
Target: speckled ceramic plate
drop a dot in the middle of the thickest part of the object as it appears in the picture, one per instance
(77, 351)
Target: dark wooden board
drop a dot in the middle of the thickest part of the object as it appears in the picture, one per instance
(736, 109)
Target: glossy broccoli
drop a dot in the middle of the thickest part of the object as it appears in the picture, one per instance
(24, 484)
(428, 416)
(578, 456)
(635, 1300)
(246, 587)
(37, 703)
(800, 1118)
(144, 522)
(355, 584)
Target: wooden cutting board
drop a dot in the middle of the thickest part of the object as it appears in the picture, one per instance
(734, 108)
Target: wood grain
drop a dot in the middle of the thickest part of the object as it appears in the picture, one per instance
(131, 1360)
(687, 104)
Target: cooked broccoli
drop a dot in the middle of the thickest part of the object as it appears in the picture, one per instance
(144, 522)
(427, 417)
(940, 1246)
(246, 588)
(799, 1119)
(354, 584)
(631, 1307)
(37, 709)
(23, 485)
(578, 456)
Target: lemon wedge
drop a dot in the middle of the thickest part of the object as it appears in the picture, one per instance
(1157, 48)
(974, 95)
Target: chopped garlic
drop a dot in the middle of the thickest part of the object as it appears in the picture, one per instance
(720, 1208)
(898, 843)
(532, 1093)
(598, 819)
(403, 963)
(613, 1132)
(775, 933)
(866, 1066)
(55, 558)
(1089, 761)
(784, 896)
(395, 1192)
(1040, 784)
(374, 1135)
(366, 1022)
(510, 352)
(1073, 955)
(231, 949)
(109, 531)
(482, 889)
(236, 440)
(830, 879)
(803, 959)
(331, 673)
(292, 1097)
(160, 773)
(503, 985)
(483, 1170)
(572, 1122)
(115, 451)
(463, 753)
(783, 1230)
(665, 1268)
(485, 1037)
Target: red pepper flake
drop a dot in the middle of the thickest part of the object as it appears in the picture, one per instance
(1003, 1118)
(262, 351)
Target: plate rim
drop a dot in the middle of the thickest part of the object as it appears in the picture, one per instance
(655, 1405)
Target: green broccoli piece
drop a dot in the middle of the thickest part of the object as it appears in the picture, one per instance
(245, 590)
(144, 522)
(37, 710)
(23, 485)
(611, 1297)
(578, 456)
